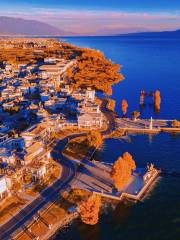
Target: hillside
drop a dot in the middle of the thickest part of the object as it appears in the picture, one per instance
(18, 26)
(165, 34)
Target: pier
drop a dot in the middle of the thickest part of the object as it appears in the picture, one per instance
(146, 125)
(95, 177)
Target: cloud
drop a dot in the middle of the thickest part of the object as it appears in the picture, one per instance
(89, 22)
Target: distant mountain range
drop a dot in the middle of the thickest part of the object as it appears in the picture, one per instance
(164, 34)
(11, 26)
(21, 27)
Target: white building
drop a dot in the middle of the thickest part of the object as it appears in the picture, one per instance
(3, 187)
(90, 120)
(90, 94)
(51, 60)
(39, 172)
(88, 107)
(8, 67)
(7, 156)
(35, 151)
(33, 133)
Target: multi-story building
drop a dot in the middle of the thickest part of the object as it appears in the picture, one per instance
(3, 187)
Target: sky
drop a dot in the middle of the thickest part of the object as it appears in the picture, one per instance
(98, 17)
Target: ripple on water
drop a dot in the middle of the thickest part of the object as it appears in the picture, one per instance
(148, 64)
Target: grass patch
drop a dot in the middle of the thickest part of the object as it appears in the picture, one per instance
(75, 196)
(77, 148)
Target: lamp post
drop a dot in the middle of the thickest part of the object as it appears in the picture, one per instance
(151, 124)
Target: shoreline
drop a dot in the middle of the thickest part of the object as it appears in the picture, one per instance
(53, 230)
(59, 226)
(124, 196)
(150, 184)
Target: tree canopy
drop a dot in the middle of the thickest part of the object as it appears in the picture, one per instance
(94, 139)
(157, 100)
(89, 210)
(95, 71)
(122, 169)
(124, 106)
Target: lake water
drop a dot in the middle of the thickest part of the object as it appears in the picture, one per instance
(148, 64)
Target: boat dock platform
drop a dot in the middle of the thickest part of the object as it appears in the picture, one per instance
(134, 196)
(95, 177)
(147, 126)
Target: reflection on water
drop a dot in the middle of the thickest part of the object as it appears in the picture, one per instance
(157, 216)
(148, 64)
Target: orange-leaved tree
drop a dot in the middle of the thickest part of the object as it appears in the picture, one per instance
(89, 210)
(175, 124)
(124, 106)
(157, 100)
(94, 139)
(122, 169)
(131, 163)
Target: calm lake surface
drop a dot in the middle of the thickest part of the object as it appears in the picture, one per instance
(148, 64)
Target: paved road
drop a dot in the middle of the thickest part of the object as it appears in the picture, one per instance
(110, 118)
(47, 196)
(51, 193)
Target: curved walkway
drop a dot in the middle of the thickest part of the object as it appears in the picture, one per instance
(51, 193)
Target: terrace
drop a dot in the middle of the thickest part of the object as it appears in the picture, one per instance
(95, 177)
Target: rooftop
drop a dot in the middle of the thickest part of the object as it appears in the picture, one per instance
(34, 147)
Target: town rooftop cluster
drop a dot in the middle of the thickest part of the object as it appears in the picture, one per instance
(37, 99)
